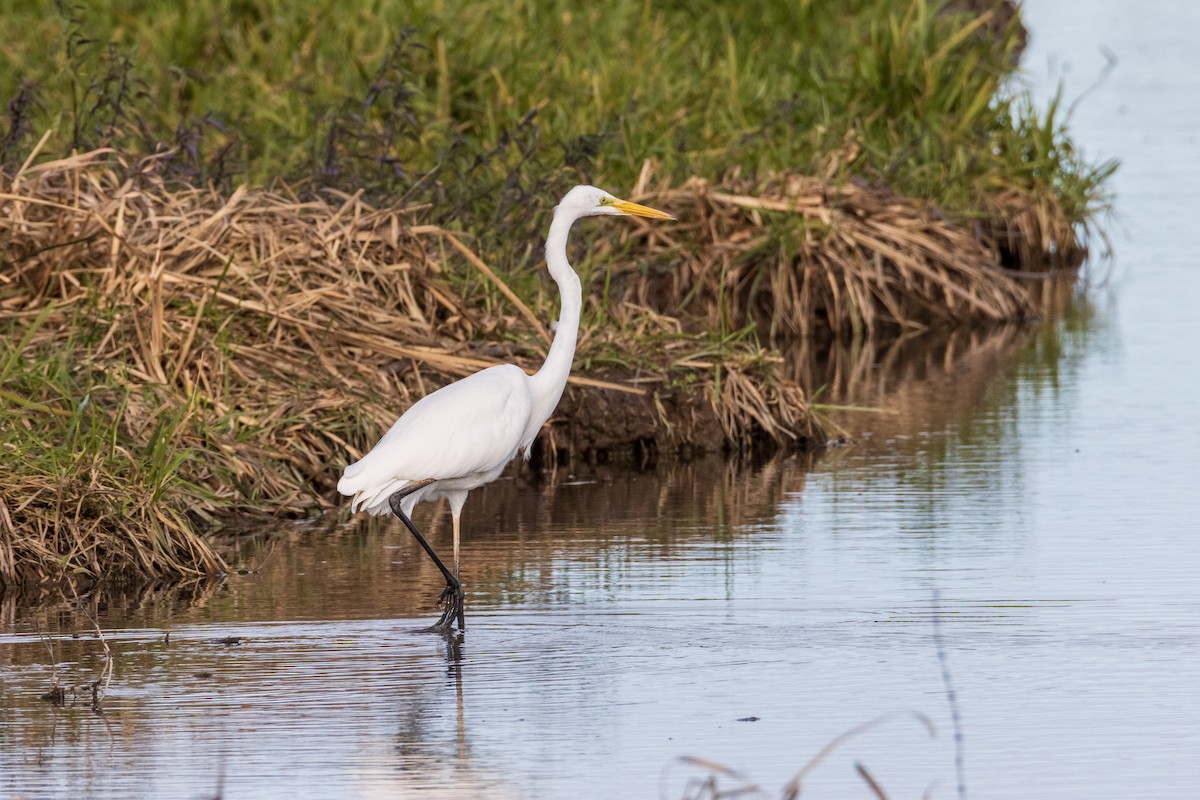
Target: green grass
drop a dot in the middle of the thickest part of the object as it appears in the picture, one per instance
(479, 106)
(93, 485)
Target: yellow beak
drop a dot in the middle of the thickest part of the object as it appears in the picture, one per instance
(636, 210)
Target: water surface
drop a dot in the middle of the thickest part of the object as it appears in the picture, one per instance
(1032, 500)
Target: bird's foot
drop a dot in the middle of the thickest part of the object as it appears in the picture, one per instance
(451, 602)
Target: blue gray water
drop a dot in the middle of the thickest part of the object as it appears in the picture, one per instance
(1034, 497)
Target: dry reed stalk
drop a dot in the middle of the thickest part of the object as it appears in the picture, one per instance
(802, 256)
(1035, 236)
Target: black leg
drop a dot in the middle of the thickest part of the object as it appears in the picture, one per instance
(452, 596)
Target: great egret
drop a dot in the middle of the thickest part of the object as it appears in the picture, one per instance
(462, 436)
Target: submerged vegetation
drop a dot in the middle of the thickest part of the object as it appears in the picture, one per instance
(236, 238)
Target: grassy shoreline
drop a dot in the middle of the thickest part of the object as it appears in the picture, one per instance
(281, 225)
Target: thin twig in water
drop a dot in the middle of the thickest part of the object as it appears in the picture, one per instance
(1110, 63)
(876, 789)
(98, 691)
(56, 694)
(792, 789)
(951, 695)
(706, 788)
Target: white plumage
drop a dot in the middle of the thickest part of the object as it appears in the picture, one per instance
(462, 436)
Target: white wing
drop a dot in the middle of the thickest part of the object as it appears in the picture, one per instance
(467, 430)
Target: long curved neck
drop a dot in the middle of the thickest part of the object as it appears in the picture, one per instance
(549, 381)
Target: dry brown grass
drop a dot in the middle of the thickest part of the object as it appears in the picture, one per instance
(258, 320)
(800, 255)
(259, 304)
(1036, 235)
(90, 528)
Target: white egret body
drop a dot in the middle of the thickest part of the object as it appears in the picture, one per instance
(463, 435)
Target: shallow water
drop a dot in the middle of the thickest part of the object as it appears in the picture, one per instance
(1032, 502)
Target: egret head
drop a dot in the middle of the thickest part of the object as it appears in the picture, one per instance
(586, 201)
